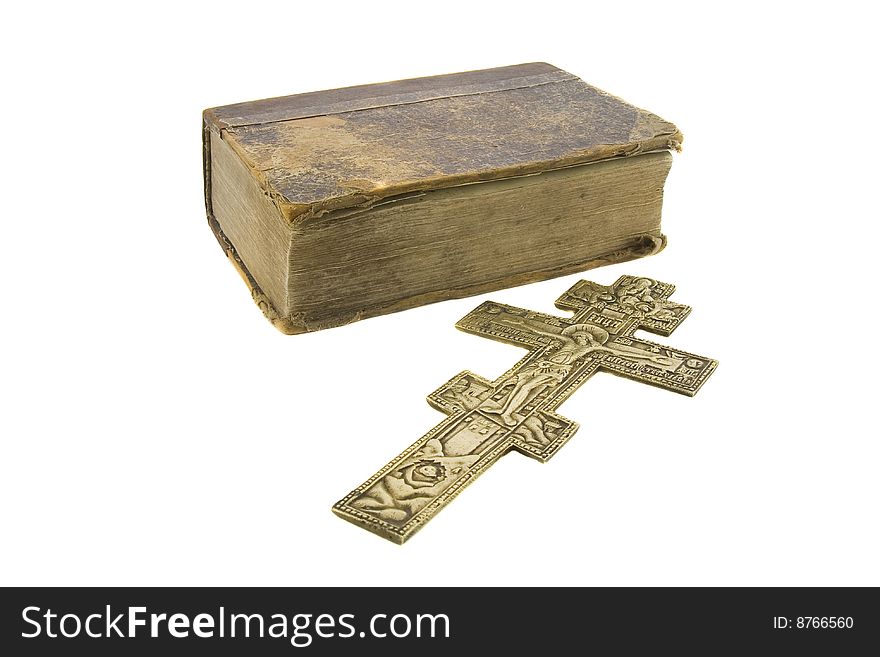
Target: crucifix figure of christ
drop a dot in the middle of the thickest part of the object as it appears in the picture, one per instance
(486, 419)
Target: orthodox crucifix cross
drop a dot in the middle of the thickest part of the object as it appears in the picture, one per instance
(486, 419)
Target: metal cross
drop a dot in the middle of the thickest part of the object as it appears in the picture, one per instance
(516, 411)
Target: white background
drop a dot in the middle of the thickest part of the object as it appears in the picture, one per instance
(157, 430)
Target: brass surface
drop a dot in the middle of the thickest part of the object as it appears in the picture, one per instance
(486, 419)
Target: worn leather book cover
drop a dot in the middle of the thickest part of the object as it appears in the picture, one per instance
(349, 203)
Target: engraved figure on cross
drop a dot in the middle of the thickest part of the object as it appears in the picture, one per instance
(487, 419)
(573, 343)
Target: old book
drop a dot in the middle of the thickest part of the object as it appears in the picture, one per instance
(345, 204)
